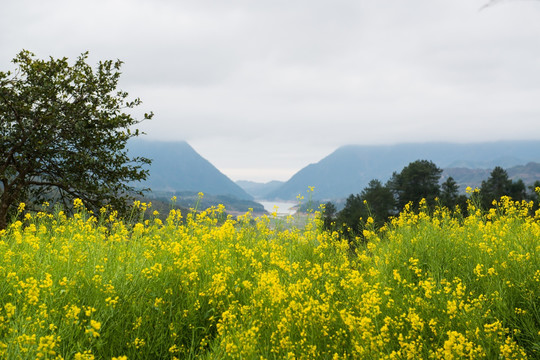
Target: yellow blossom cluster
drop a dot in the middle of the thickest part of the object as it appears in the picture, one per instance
(429, 285)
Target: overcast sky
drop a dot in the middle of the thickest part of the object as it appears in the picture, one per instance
(262, 88)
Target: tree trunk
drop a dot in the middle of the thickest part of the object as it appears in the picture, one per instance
(6, 200)
(3, 215)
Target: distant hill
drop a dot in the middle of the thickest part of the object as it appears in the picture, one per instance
(528, 173)
(349, 169)
(176, 166)
(464, 177)
(191, 200)
(257, 189)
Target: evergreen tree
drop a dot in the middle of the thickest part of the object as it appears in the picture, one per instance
(518, 190)
(348, 219)
(329, 216)
(379, 200)
(532, 194)
(498, 184)
(449, 193)
(418, 180)
(376, 201)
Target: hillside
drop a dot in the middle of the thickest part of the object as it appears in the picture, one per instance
(176, 166)
(464, 177)
(191, 200)
(529, 173)
(349, 169)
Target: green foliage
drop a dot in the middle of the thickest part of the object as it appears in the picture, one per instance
(533, 195)
(418, 180)
(380, 200)
(349, 219)
(449, 193)
(64, 132)
(329, 216)
(499, 184)
(190, 199)
(450, 196)
(375, 201)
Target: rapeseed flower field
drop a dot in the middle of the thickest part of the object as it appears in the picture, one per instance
(429, 285)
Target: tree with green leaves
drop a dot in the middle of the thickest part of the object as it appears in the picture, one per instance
(64, 130)
(450, 196)
(329, 216)
(449, 193)
(418, 180)
(499, 184)
(518, 190)
(379, 201)
(349, 218)
(375, 201)
(532, 194)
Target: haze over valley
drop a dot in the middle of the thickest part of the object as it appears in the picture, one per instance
(177, 169)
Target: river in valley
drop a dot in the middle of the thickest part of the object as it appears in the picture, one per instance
(283, 208)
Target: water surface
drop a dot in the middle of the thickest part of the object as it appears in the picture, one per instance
(284, 208)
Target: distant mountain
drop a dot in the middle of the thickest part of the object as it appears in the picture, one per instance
(257, 189)
(176, 167)
(349, 169)
(464, 177)
(528, 173)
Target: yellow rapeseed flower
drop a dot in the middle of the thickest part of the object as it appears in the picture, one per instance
(77, 203)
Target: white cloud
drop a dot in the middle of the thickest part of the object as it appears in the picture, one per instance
(252, 82)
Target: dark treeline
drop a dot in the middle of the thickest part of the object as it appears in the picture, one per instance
(418, 180)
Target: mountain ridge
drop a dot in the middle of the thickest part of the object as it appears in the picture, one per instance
(349, 168)
(176, 166)
(465, 177)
